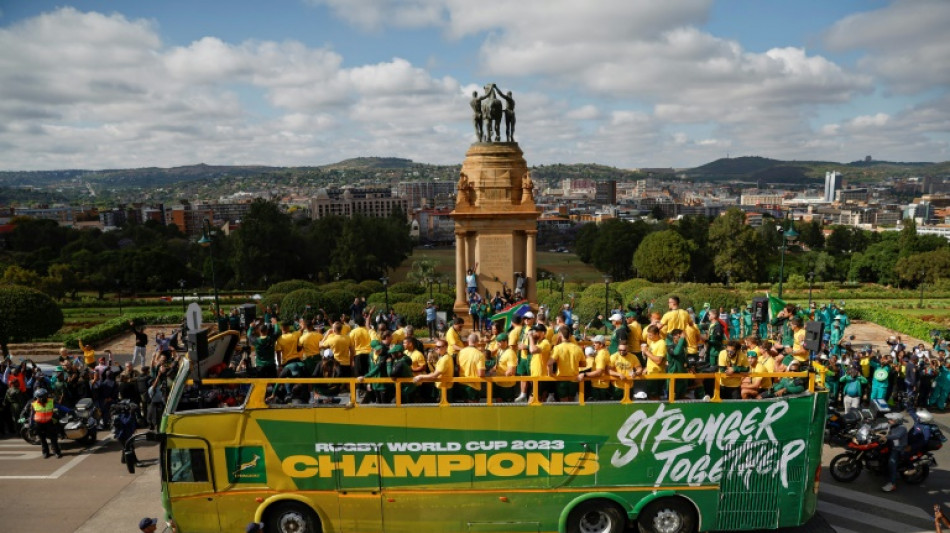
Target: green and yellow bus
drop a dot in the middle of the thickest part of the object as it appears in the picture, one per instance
(669, 466)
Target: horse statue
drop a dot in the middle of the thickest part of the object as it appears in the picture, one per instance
(492, 112)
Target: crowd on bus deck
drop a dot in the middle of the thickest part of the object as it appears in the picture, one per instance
(639, 346)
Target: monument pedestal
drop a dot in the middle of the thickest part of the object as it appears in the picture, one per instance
(496, 222)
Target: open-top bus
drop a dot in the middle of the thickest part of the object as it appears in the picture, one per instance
(664, 466)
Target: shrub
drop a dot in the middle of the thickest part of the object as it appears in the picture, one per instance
(371, 286)
(120, 325)
(26, 314)
(377, 299)
(407, 288)
(444, 301)
(337, 302)
(272, 299)
(412, 313)
(289, 286)
(295, 303)
(889, 319)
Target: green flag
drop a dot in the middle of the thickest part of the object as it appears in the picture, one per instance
(775, 306)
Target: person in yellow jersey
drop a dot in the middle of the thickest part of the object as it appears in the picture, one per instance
(597, 371)
(88, 354)
(360, 338)
(518, 339)
(798, 346)
(675, 318)
(655, 351)
(766, 358)
(288, 353)
(635, 335)
(751, 387)
(444, 369)
(453, 337)
(342, 348)
(540, 350)
(506, 365)
(471, 361)
(693, 340)
(569, 358)
(400, 332)
(732, 362)
(309, 339)
(625, 367)
(345, 321)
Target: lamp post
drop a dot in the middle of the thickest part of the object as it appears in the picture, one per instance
(562, 288)
(181, 283)
(811, 282)
(118, 292)
(789, 235)
(429, 281)
(385, 281)
(728, 277)
(920, 304)
(206, 240)
(607, 279)
(543, 276)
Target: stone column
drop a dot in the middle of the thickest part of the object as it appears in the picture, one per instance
(530, 269)
(460, 253)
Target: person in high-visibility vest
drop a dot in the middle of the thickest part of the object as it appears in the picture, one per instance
(41, 411)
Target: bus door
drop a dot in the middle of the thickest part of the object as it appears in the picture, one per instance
(186, 478)
(359, 495)
(748, 499)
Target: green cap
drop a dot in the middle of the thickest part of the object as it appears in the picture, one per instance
(375, 345)
(630, 314)
(501, 337)
(395, 348)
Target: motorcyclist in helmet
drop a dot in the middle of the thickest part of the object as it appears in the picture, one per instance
(40, 413)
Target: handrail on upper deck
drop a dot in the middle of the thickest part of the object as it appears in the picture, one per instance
(257, 395)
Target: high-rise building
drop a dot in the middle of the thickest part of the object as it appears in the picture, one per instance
(832, 184)
(605, 192)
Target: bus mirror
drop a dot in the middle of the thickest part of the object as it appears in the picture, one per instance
(154, 436)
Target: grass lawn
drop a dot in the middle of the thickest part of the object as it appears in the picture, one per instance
(568, 264)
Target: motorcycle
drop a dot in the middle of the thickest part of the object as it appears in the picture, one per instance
(869, 450)
(81, 425)
(841, 426)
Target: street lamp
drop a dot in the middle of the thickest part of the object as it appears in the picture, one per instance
(607, 279)
(728, 277)
(562, 288)
(543, 276)
(385, 281)
(920, 304)
(205, 240)
(181, 283)
(118, 292)
(788, 236)
(811, 282)
(429, 281)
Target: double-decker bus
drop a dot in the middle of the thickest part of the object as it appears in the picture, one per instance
(669, 466)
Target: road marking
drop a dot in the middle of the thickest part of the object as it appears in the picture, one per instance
(68, 466)
(874, 501)
(12, 455)
(863, 518)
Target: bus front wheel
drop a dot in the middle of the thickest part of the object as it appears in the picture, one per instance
(291, 517)
(596, 516)
(667, 515)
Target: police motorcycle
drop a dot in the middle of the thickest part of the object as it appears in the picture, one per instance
(841, 426)
(870, 450)
(81, 425)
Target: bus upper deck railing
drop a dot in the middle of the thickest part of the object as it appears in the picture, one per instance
(258, 394)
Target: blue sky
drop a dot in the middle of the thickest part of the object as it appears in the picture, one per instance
(630, 83)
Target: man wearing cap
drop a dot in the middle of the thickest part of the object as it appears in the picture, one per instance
(506, 365)
(897, 436)
(540, 351)
(624, 366)
(675, 318)
(400, 364)
(148, 525)
(599, 367)
(40, 414)
(620, 332)
(569, 358)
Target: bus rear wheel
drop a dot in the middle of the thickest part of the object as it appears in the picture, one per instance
(667, 515)
(291, 517)
(596, 516)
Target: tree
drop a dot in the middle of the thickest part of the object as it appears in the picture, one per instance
(924, 267)
(737, 249)
(60, 281)
(26, 314)
(617, 240)
(586, 237)
(663, 256)
(422, 269)
(265, 244)
(695, 229)
(876, 264)
(810, 234)
(908, 238)
(15, 275)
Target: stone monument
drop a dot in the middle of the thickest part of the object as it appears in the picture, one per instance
(496, 220)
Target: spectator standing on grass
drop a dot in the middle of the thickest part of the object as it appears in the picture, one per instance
(141, 343)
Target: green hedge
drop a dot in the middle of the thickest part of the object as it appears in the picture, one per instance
(289, 286)
(371, 286)
(119, 325)
(444, 301)
(272, 299)
(893, 320)
(412, 313)
(407, 288)
(295, 303)
(27, 313)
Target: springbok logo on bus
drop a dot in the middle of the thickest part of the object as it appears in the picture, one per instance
(246, 464)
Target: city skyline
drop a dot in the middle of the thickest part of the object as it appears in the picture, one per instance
(630, 84)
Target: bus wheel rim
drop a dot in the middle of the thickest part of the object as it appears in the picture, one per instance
(292, 523)
(667, 521)
(595, 522)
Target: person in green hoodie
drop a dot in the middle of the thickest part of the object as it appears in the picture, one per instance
(379, 368)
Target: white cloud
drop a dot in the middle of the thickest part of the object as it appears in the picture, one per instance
(904, 43)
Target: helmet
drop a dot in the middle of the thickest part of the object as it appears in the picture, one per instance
(40, 393)
(924, 416)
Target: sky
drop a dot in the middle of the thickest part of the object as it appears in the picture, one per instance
(628, 83)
